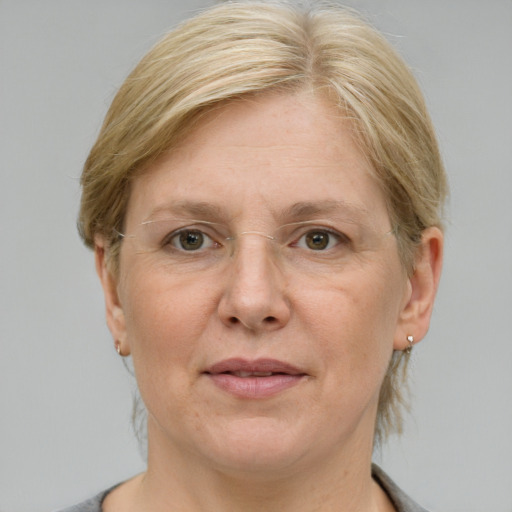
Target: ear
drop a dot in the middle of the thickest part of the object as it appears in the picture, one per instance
(415, 315)
(114, 311)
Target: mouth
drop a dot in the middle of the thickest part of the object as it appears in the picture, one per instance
(257, 368)
(257, 379)
(244, 375)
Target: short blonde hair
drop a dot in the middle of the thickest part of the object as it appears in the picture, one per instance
(245, 48)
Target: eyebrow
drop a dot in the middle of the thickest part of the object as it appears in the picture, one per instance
(307, 209)
(199, 209)
(302, 210)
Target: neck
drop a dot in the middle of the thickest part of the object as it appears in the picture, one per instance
(182, 482)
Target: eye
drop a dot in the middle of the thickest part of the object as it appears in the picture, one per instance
(319, 240)
(190, 240)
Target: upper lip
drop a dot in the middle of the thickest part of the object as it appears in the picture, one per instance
(255, 366)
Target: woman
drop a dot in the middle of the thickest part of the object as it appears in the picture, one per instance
(264, 203)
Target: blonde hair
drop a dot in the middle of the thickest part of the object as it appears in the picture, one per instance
(245, 48)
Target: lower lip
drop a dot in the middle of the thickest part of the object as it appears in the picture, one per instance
(254, 387)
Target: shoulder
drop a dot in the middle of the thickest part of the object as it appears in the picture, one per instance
(400, 500)
(91, 505)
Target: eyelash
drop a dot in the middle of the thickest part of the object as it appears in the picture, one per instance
(333, 237)
(173, 239)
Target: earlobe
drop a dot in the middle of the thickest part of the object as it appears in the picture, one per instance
(113, 308)
(422, 287)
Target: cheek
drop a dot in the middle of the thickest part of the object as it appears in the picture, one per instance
(353, 322)
(165, 319)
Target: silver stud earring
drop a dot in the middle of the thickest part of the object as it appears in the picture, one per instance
(410, 340)
(117, 345)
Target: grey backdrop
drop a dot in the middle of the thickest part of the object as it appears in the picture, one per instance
(65, 398)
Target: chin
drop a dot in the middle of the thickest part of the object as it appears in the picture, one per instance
(256, 445)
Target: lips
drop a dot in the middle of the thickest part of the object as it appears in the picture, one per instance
(261, 366)
(261, 378)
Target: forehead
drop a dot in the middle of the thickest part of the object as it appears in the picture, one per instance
(263, 154)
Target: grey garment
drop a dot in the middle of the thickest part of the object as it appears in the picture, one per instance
(92, 504)
(400, 500)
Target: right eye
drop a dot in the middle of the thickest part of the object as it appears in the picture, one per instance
(190, 240)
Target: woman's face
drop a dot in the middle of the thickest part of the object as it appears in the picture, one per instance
(263, 294)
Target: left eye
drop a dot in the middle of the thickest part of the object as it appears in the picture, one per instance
(318, 240)
(191, 240)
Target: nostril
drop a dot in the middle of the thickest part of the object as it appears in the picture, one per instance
(269, 320)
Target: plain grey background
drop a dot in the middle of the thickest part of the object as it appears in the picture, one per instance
(65, 397)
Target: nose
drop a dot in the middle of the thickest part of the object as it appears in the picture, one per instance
(254, 294)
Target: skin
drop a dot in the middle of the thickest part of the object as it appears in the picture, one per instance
(308, 447)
